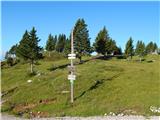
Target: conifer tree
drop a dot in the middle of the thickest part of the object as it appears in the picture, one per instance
(28, 48)
(81, 38)
(50, 45)
(111, 46)
(7, 55)
(140, 49)
(67, 47)
(101, 42)
(61, 43)
(12, 51)
(129, 48)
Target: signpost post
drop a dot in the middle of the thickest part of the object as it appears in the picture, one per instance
(72, 75)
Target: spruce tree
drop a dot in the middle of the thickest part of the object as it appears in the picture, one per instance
(61, 43)
(7, 55)
(81, 38)
(50, 45)
(67, 47)
(101, 40)
(155, 47)
(129, 48)
(140, 49)
(111, 46)
(12, 51)
(150, 48)
(28, 48)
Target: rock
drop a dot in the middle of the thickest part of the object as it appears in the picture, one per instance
(121, 114)
(112, 114)
(29, 81)
(155, 109)
(64, 92)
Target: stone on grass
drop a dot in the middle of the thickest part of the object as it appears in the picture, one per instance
(29, 81)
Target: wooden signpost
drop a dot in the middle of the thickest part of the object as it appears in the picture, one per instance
(71, 68)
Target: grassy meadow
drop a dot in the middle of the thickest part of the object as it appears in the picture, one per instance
(102, 86)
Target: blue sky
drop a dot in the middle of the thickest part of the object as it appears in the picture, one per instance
(122, 19)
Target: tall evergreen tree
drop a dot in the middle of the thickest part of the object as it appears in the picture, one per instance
(50, 45)
(28, 48)
(155, 47)
(7, 55)
(61, 43)
(67, 47)
(111, 46)
(150, 48)
(129, 48)
(101, 41)
(12, 51)
(81, 38)
(118, 51)
(140, 49)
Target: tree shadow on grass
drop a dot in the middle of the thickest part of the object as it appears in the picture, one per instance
(54, 67)
(97, 84)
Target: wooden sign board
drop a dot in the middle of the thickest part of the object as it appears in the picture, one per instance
(71, 55)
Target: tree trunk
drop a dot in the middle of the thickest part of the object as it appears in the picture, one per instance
(140, 59)
(32, 67)
(49, 54)
(80, 59)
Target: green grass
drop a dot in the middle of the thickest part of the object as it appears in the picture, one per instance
(124, 85)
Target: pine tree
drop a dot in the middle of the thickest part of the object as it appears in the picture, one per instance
(7, 55)
(150, 48)
(118, 51)
(12, 51)
(155, 47)
(111, 46)
(81, 38)
(28, 48)
(67, 47)
(61, 43)
(140, 49)
(50, 45)
(101, 40)
(129, 48)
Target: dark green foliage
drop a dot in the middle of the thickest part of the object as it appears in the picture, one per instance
(67, 47)
(28, 48)
(111, 46)
(118, 51)
(101, 42)
(7, 55)
(50, 45)
(61, 43)
(151, 47)
(12, 51)
(129, 51)
(140, 49)
(81, 38)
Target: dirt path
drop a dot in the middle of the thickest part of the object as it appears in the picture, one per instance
(10, 117)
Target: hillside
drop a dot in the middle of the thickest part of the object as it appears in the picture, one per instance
(102, 86)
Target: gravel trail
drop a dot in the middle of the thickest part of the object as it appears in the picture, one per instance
(10, 117)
